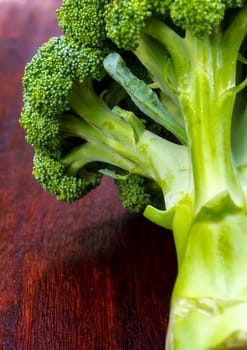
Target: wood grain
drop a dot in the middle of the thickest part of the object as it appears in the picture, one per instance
(89, 275)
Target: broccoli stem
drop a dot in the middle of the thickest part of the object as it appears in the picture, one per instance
(72, 125)
(155, 58)
(165, 162)
(202, 76)
(172, 42)
(87, 153)
(91, 108)
(209, 123)
(120, 139)
(205, 71)
(209, 300)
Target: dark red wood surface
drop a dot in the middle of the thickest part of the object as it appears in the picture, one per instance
(89, 275)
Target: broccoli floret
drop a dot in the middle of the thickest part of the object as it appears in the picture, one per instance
(44, 96)
(137, 192)
(161, 7)
(153, 94)
(48, 83)
(234, 3)
(199, 17)
(133, 193)
(125, 20)
(51, 173)
(83, 21)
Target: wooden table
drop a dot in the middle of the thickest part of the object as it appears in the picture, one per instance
(89, 275)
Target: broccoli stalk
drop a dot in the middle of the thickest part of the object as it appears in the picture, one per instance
(208, 73)
(153, 94)
(209, 302)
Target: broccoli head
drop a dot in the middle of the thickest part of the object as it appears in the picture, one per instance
(153, 94)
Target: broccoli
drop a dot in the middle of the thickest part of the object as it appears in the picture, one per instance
(153, 94)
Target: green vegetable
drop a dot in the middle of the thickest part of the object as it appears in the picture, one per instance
(154, 95)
